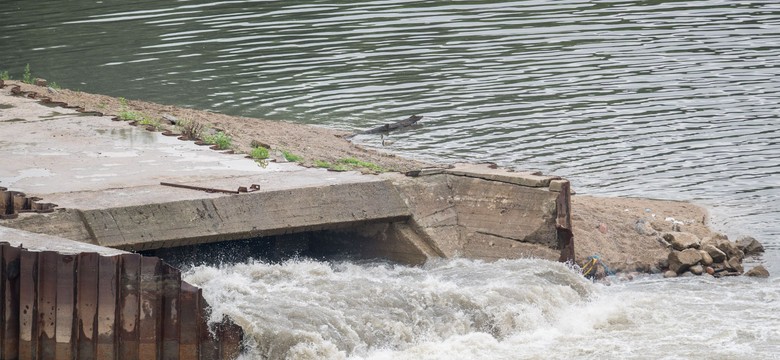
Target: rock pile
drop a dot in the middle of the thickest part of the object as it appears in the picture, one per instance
(714, 255)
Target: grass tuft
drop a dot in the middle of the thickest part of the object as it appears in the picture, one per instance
(291, 157)
(27, 75)
(259, 153)
(222, 140)
(355, 163)
(128, 115)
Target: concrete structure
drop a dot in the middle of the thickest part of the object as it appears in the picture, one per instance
(86, 178)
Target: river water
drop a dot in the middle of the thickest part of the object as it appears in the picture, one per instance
(663, 99)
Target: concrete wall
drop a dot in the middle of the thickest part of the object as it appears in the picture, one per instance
(477, 212)
(470, 211)
(91, 306)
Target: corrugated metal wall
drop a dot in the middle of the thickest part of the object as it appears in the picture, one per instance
(90, 306)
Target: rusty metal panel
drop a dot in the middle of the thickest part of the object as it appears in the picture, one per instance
(47, 304)
(209, 348)
(28, 323)
(11, 261)
(86, 304)
(170, 305)
(150, 317)
(66, 307)
(190, 317)
(563, 223)
(229, 336)
(129, 285)
(3, 245)
(89, 306)
(106, 309)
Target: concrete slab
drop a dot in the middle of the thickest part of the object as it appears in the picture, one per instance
(85, 161)
(487, 172)
(41, 242)
(106, 173)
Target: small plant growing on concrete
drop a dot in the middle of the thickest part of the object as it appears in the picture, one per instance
(259, 153)
(127, 115)
(27, 75)
(148, 121)
(220, 139)
(291, 157)
(330, 166)
(355, 163)
(190, 129)
(4, 75)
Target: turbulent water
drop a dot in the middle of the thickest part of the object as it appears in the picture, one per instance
(665, 99)
(463, 309)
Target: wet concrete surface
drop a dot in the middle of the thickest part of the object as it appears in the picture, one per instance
(84, 161)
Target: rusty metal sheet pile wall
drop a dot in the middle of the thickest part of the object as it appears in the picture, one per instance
(90, 306)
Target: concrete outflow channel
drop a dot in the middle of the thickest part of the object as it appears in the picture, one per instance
(81, 192)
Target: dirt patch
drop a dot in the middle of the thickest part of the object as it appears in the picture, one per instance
(625, 232)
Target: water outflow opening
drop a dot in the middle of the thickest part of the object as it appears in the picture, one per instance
(349, 244)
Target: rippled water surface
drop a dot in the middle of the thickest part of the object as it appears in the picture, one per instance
(665, 99)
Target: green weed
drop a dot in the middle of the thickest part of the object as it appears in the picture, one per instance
(259, 153)
(128, 115)
(291, 157)
(145, 120)
(4, 75)
(222, 140)
(27, 75)
(355, 163)
(330, 166)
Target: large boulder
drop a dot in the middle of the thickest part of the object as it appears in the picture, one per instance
(682, 240)
(758, 271)
(681, 261)
(749, 245)
(715, 253)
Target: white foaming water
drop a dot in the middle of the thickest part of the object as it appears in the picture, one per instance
(465, 309)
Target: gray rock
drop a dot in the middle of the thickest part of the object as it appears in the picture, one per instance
(687, 274)
(731, 250)
(735, 264)
(758, 271)
(697, 269)
(749, 245)
(706, 259)
(715, 253)
(682, 240)
(643, 227)
(681, 261)
(714, 240)
(670, 274)
(170, 119)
